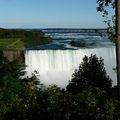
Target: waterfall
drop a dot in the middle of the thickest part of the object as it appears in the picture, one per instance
(57, 66)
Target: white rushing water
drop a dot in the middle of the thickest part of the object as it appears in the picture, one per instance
(57, 66)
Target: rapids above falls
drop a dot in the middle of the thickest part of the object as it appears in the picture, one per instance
(57, 61)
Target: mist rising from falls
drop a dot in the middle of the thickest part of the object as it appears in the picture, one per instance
(57, 66)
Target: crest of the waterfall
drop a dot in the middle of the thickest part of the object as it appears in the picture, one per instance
(57, 66)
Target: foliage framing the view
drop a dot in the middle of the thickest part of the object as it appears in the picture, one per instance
(26, 99)
(104, 6)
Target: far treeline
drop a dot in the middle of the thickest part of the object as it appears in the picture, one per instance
(20, 38)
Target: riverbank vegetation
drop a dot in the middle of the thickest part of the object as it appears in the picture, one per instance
(17, 38)
(25, 98)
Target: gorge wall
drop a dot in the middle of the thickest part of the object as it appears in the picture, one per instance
(12, 54)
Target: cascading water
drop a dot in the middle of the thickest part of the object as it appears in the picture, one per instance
(57, 66)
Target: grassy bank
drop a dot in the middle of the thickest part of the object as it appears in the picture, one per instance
(11, 43)
(19, 39)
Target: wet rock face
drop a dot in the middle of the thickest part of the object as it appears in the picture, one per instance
(14, 54)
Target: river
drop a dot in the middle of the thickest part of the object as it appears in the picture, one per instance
(57, 61)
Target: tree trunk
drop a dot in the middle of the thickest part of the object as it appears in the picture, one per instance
(118, 43)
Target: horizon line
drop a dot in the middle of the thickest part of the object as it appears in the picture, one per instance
(52, 28)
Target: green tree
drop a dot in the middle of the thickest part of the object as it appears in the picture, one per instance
(112, 109)
(10, 86)
(32, 99)
(54, 109)
(18, 94)
(105, 6)
(113, 29)
(91, 73)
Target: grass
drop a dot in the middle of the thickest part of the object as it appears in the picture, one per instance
(11, 43)
(19, 43)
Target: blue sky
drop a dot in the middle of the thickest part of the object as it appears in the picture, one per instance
(49, 14)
